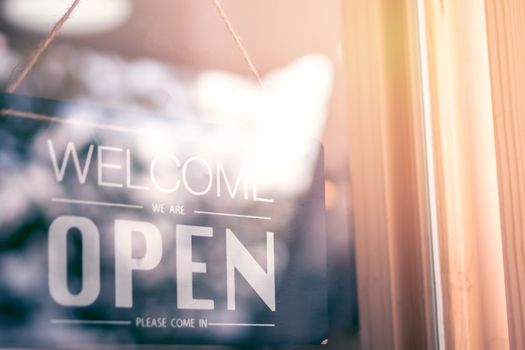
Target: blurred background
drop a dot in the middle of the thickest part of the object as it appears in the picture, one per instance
(177, 58)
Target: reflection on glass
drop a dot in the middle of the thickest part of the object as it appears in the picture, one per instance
(137, 227)
(275, 125)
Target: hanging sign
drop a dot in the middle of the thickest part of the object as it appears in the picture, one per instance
(122, 228)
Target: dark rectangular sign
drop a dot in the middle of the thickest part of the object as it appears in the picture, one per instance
(125, 228)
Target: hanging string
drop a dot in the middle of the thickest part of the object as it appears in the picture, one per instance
(50, 37)
(40, 49)
(237, 39)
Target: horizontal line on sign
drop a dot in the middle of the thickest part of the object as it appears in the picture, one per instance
(241, 324)
(109, 127)
(102, 204)
(232, 215)
(54, 119)
(100, 322)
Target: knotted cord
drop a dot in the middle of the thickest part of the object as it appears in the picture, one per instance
(50, 37)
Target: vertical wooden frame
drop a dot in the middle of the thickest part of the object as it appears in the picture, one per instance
(469, 228)
(388, 175)
(506, 47)
(388, 106)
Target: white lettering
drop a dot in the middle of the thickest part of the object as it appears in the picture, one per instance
(186, 267)
(58, 288)
(238, 258)
(154, 178)
(70, 150)
(221, 171)
(102, 165)
(185, 176)
(255, 197)
(128, 174)
(125, 263)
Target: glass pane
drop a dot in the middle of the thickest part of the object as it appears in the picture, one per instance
(133, 92)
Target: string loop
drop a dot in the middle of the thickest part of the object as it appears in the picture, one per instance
(238, 41)
(40, 49)
(50, 37)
